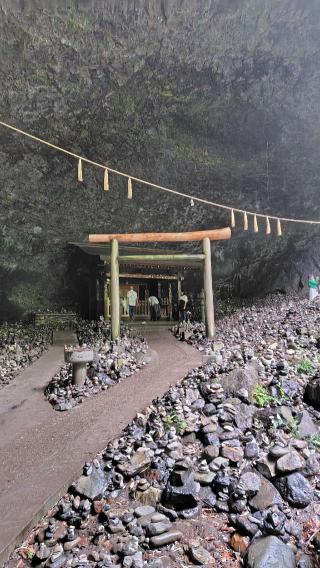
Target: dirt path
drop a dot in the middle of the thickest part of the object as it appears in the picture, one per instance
(43, 451)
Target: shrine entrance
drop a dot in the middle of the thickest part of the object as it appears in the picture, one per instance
(114, 304)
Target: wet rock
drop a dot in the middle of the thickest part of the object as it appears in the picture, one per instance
(269, 551)
(296, 489)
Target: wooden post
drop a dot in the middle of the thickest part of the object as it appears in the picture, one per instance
(208, 291)
(170, 302)
(115, 290)
(202, 306)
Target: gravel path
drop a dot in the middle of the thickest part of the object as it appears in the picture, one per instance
(42, 451)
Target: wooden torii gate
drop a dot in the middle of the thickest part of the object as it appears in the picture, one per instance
(204, 236)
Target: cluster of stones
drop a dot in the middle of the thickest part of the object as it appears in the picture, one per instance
(210, 448)
(20, 345)
(109, 362)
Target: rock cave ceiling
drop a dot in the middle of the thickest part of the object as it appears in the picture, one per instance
(217, 98)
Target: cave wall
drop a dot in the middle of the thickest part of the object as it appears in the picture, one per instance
(218, 98)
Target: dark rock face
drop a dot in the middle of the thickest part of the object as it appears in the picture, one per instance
(270, 552)
(296, 489)
(181, 490)
(227, 110)
(312, 393)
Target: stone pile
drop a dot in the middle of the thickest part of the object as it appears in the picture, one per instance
(20, 345)
(224, 470)
(113, 361)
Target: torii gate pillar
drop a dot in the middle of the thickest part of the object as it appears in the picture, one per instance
(115, 290)
(208, 290)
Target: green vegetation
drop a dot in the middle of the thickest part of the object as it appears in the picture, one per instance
(261, 396)
(315, 440)
(176, 421)
(290, 426)
(306, 366)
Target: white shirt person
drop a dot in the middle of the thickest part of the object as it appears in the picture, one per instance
(132, 298)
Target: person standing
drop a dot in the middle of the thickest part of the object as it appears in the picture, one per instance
(154, 307)
(183, 300)
(313, 284)
(132, 298)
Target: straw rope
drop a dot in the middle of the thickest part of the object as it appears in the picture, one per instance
(157, 186)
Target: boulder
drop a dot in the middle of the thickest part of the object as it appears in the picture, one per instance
(269, 552)
(246, 378)
(296, 489)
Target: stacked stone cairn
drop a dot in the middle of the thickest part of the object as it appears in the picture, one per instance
(222, 471)
(20, 346)
(113, 361)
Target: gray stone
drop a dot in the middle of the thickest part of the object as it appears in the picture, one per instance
(200, 555)
(92, 486)
(246, 378)
(250, 483)
(165, 538)
(139, 462)
(291, 461)
(306, 426)
(211, 452)
(158, 528)
(296, 489)
(269, 552)
(144, 510)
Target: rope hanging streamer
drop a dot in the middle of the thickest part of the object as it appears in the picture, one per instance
(129, 188)
(279, 230)
(255, 224)
(245, 221)
(268, 228)
(161, 187)
(80, 176)
(106, 180)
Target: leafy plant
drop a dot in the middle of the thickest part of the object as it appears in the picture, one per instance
(315, 440)
(176, 421)
(290, 426)
(262, 396)
(306, 366)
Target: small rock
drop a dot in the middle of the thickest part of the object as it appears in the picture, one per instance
(165, 538)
